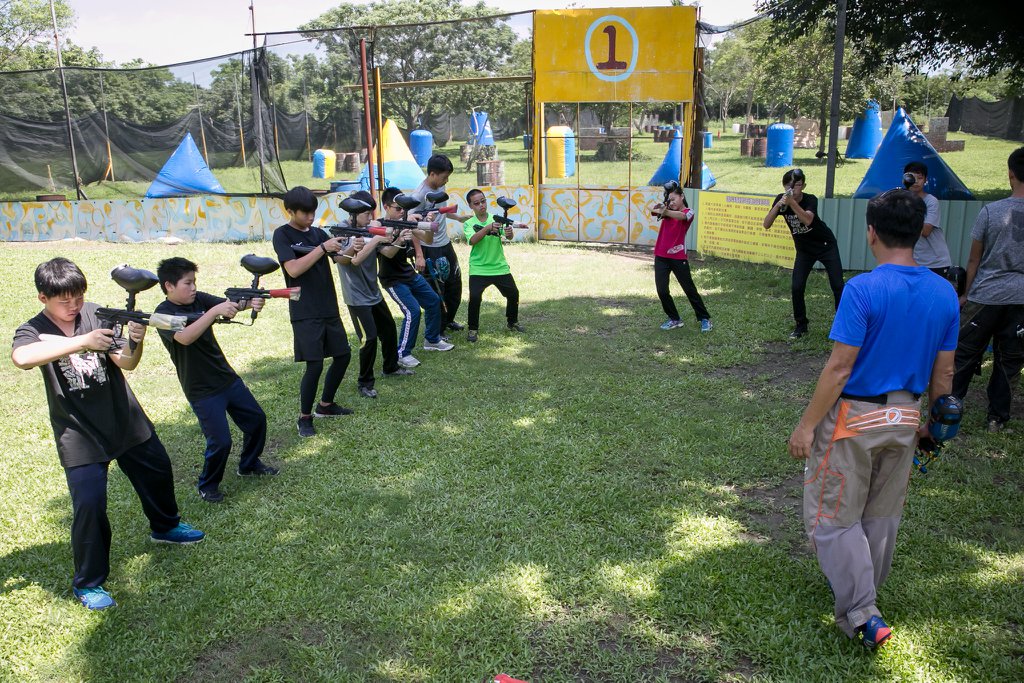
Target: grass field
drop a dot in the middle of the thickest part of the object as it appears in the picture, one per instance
(982, 167)
(594, 500)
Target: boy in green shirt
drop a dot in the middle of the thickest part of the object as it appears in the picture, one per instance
(487, 265)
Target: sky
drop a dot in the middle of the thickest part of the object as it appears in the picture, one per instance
(165, 33)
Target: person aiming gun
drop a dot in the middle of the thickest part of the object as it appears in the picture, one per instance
(670, 258)
(212, 387)
(96, 419)
(814, 243)
(487, 263)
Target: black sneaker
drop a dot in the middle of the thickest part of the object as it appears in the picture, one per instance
(331, 410)
(367, 392)
(262, 469)
(400, 372)
(798, 332)
(211, 495)
(516, 327)
(305, 425)
(456, 327)
(471, 336)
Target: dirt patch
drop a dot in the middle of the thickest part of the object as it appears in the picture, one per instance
(776, 364)
(744, 670)
(271, 646)
(774, 513)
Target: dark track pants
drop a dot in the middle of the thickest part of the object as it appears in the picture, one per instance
(213, 411)
(149, 470)
(1004, 327)
(802, 267)
(374, 323)
(452, 286)
(663, 267)
(506, 284)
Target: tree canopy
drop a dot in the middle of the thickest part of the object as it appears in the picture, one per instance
(985, 34)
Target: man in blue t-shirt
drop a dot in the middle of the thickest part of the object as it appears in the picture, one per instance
(895, 335)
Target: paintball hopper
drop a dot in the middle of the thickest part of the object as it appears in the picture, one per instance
(259, 265)
(354, 207)
(436, 197)
(798, 175)
(132, 280)
(505, 203)
(908, 180)
(407, 202)
(946, 413)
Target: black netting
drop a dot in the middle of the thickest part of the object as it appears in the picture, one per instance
(1000, 119)
(257, 117)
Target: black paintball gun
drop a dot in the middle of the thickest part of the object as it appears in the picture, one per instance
(504, 221)
(946, 413)
(133, 281)
(432, 199)
(258, 266)
(407, 203)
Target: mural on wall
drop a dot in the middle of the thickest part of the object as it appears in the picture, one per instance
(208, 218)
(613, 215)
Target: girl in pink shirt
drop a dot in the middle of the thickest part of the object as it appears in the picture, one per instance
(670, 258)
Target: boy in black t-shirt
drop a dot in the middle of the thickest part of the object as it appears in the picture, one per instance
(211, 386)
(316, 322)
(813, 240)
(95, 419)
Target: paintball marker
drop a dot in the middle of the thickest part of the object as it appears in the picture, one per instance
(946, 413)
(259, 266)
(432, 199)
(133, 281)
(504, 221)
(408, 202)
(908, 180)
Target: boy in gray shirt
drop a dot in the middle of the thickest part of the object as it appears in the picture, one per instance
(993, 308)
(357, 271)
(931, 250)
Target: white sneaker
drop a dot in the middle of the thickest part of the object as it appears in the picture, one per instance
(439, 345)
(408, 361)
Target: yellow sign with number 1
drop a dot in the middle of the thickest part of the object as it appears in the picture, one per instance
(615, 55)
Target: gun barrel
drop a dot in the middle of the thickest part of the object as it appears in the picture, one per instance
(408, 225)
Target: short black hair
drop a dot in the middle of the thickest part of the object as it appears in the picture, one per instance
(897, 217)
(469, 195)
(916, 167)
(60, 276)
(794, 175)
(388, 196)
(173, 269)
(1016, 163)
(439, 164)
(300, 199)
(364, 196)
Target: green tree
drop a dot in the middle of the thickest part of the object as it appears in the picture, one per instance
(25, 24)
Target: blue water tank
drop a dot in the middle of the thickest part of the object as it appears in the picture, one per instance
(866, 135)
(421, 142)
(480, 128)
(319, 164)
(780, 145)
(709, 139)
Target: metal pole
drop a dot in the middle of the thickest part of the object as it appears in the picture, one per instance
(366, 116)
(199, 108)
(837, 83)
(379, 116)
(241, 130)
(106, 131)
(67, 107)
(305, 110)
(257, 105)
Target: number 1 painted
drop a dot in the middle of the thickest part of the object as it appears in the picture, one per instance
(611, 63)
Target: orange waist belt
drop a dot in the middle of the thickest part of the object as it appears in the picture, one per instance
(882, 418)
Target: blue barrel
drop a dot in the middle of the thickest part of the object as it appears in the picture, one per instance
(709, 139)
(480, 128)
(527, 141)
(421, 142)
(779, 150)
(319, 164)
(866, 135)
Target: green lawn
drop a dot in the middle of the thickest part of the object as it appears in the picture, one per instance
(594, 500)
(982, 167)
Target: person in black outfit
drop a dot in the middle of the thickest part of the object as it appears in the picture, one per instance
(316, 322)
(95, 419)
(814, 242)
(212, 387)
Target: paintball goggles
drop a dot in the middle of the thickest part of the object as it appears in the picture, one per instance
(944, 423)
(133, 281)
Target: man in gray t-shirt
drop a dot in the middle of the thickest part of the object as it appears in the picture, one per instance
(993, 308)
(931, 250)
